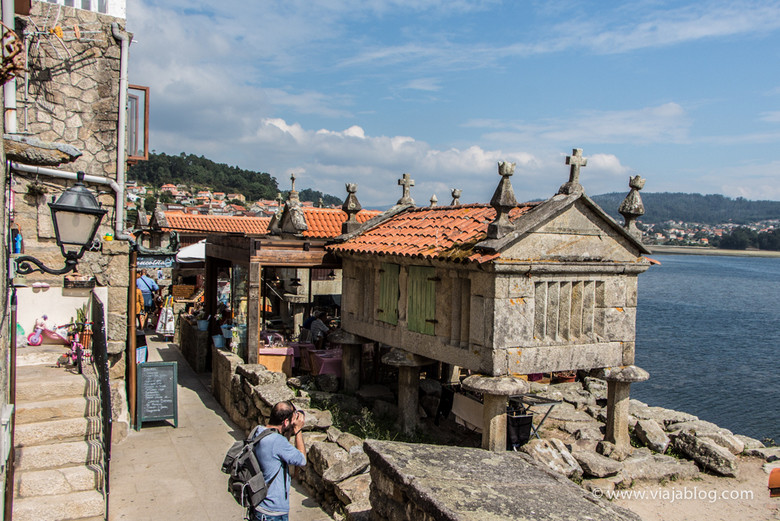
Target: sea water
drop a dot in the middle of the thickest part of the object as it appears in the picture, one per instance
(708, 331)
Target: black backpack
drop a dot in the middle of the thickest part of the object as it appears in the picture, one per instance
(245, 481)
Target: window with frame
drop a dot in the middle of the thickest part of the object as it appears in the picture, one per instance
(388, 293)
(421, 311)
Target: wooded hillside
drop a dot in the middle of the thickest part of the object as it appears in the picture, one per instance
(200, 172)
(694, 208)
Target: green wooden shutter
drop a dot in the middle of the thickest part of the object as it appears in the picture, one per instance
(421, 312)
(388, 293)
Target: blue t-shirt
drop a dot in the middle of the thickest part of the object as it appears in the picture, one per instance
(146, 284)
(272, 452)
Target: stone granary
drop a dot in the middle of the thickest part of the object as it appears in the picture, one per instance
(500, 290)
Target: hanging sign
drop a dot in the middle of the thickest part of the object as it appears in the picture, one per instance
(153, 262)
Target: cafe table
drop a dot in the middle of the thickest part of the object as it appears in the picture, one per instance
(325, 361)
(279, 359)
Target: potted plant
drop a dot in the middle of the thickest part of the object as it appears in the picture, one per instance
(203, 320)
(83, 327)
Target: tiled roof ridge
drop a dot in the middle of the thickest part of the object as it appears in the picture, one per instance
(468, 205)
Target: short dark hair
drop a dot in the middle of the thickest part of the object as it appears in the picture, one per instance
(280, 412)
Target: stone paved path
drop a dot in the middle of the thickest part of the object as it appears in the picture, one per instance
(174, 474)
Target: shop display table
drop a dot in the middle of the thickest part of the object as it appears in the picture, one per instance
(277, 359)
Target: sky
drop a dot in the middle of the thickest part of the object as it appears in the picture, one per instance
(685, 94)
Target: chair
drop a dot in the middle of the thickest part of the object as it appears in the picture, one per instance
(305, 335)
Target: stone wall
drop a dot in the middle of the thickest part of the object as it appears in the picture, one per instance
(73, 95)
(336, 474)
(416, 482)
(73, 99)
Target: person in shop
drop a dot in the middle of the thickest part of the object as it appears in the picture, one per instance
(319, 330)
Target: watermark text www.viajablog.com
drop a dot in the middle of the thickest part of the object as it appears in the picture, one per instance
(672, 494)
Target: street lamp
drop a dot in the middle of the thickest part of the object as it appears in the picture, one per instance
(76, 215)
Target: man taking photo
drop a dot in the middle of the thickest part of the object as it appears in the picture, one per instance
(275, 454)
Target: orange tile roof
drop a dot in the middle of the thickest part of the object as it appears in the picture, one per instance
(216, 223)
(325, 223)
(440, 232)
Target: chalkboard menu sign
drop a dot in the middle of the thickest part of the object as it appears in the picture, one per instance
(156, 392)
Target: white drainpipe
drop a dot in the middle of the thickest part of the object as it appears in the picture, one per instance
(94, 179)
(121, 160)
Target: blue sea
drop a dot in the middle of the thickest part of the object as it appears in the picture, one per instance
(708, 331)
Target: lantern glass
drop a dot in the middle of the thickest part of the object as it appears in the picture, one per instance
(75, 227)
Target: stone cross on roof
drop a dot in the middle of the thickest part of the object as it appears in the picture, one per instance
(407, 182)
(292, 181)
(456, 192)
(576, 161)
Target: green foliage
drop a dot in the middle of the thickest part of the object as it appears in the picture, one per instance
(367, 425)
(314, 196)
(693, 208)
(769, 240)
(739, 239)
(150, 203)
(198, 171)
(673, 452)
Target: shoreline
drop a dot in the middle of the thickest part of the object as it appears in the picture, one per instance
(700, 250)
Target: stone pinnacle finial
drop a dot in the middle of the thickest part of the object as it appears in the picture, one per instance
(279, 202)
(632, 206)
(576, 161)
(456, 192)
(434, 201)
(407, 182)
(503, 201)
(292, 182)
(351, 207)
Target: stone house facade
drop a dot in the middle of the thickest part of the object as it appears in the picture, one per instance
(68, 102)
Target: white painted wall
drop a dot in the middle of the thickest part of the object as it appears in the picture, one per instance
(59, 304)
(117, 8)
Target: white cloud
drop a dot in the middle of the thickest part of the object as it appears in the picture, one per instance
(751, 181)
(770, 117)
(667, 123)
(425, 84)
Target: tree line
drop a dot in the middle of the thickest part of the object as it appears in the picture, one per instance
(744, 238)
(199, 172)
(694, 208)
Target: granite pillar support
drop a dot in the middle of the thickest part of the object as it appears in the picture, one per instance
(408, 365)
(495, 391)
(619, 380)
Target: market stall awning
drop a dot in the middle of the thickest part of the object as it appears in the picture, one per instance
(193, 253)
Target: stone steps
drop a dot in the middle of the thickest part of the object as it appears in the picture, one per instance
(58, 451)
(72, 407)
(51, 482)
(37, 383)
(56, 431)
(60, 507)
(58, 455)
